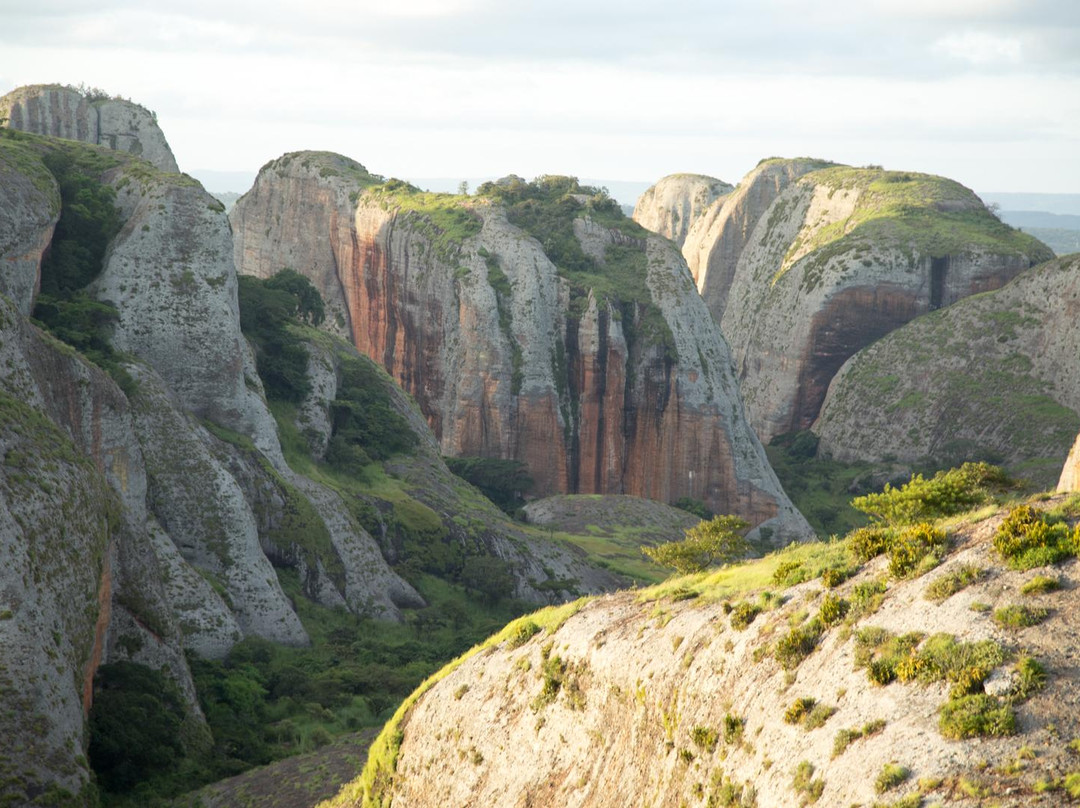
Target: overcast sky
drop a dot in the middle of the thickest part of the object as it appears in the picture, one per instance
(984, 91)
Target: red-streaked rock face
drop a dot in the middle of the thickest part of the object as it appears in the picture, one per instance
(587, 392)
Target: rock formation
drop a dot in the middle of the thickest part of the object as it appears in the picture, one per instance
(839, 259)
(612, 380)
(987, 377)
(719, 234)
(146, 520)
(1070, 474)
(89, 116)
(671, 697)
(676, 202)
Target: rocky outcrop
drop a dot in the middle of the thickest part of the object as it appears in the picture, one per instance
(29, 210)
(663, 693)
(89, 116)
(596, 389)
(839, 259)
(675, 203)
(988, 377)
(718, 236)
(1070, 474)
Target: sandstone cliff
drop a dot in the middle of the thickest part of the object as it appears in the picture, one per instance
(676, 202)
(1070, 474)
(696, 693)
(989, 376)
(720, 233)
(91, 117)
(607, 380)
(839, 259)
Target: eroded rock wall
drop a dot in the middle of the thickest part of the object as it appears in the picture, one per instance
(676, 202)
(987, 377)
(66, 112)
(839, 259)
(610, 400)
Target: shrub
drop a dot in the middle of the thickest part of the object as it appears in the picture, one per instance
(953, 581)
(865, 599)
(890, 776)
(977, 715)
(1026, 540)
(1030, 678)
(804, 783)
(718, 541)
(946, 493)
(743, 614)
(845, 737)
(733, 728)
(833, 610)
(704, 738)
(789, 573)
(1020, 616)
(795, 646)
(918, 547)
(1040, 585)
(834, 576)
(798, 710)
(867, 543)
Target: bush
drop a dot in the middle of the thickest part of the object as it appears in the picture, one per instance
(1025, 539)
(867, 543)
(915, 549)
(743, 614)
(946, 493)
(1040, 585)
(833, 610)
(718, 541)
(953, 581)
(834, 576)
(974, 716)
(799, 709)
(804, 783)
(795, 646)
(790, 573)
(704, 738)
(865, 598)
(890, 776)
(1020, 616)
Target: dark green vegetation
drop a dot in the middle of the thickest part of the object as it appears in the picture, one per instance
(818, 486)
(945, 494)
(717, 541)
(89, 219)
(504, 482)
(546, 209)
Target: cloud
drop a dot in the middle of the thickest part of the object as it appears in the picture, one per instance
(981, 49)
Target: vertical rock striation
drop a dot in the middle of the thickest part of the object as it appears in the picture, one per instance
(91, 117)
(841, 257)
(611, 382)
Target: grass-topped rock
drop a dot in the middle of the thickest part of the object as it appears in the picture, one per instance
(840, 258)
(532, 321)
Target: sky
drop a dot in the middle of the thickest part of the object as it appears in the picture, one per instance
(984, 91)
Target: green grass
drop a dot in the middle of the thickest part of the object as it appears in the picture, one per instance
(921, 214)
(446, 219)
(956, 579)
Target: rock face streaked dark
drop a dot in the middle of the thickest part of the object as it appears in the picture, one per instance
(990, 376)
(595, 393)
(60, 111)
(809, 263)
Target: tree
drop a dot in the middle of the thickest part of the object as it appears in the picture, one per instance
(720, 540)
(463, 188)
